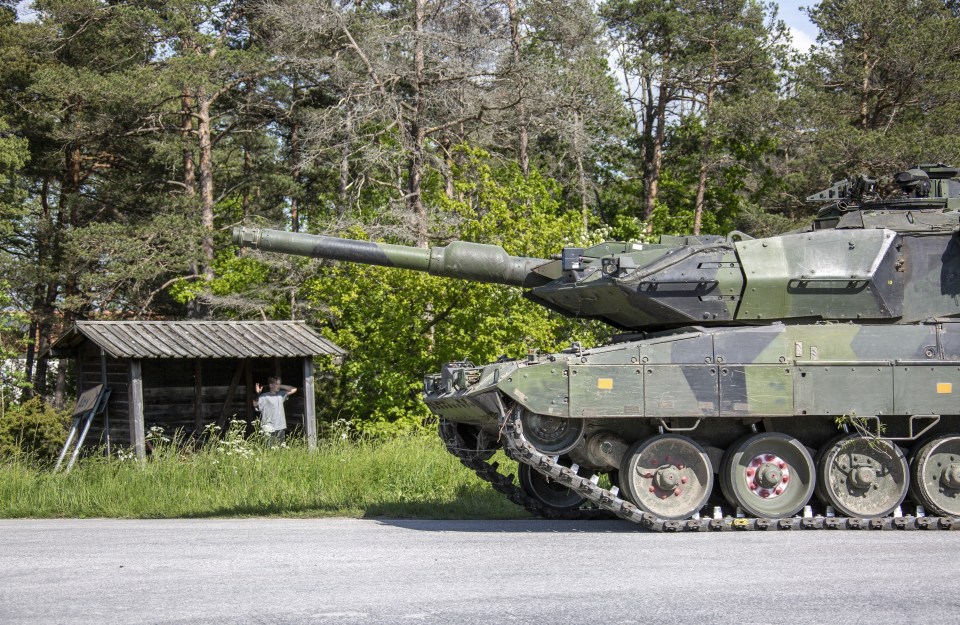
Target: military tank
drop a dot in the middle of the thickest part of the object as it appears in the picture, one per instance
(806, 380)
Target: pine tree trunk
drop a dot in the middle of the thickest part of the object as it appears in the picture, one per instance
(418, 129)
(344, 184)
(448, 187)
(865, 93)
(655, 158)
(68, 218)
(294, 155)
(581, 173)
(26, 390)
(189, 164)
(186, 135)
(33, 363)
(701, 189)
(206, 182)
(295, 175)
(247, 178)
(523, 139)
(704, 150)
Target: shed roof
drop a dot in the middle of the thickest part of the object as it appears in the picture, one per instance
(197, 339)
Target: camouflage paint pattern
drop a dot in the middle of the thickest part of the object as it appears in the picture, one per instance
(829, 369)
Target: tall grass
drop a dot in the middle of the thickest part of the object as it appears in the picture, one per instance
(407, 477)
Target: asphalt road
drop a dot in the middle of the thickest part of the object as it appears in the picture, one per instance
(383, 571)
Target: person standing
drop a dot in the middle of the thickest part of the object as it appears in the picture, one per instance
(273, 420)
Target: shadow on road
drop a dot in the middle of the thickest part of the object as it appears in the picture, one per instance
(524, 526)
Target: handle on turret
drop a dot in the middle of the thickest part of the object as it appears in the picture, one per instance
(460, 259)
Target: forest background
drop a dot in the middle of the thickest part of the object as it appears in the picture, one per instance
(134, 135)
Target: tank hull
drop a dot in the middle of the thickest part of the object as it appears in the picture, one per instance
(804, 372)
(712, 389)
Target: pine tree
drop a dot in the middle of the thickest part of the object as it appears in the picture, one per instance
(881, 87)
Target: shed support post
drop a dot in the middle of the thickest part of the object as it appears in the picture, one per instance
(136, 409)
(249, 391)
(231, 391)
(309, 407)
(197, 396)
(106, 408)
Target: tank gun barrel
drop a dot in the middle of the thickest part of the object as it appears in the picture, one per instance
(460, 259)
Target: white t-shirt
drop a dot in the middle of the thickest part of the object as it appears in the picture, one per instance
(272, 417)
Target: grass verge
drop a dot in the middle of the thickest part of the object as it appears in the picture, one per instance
(407, 477)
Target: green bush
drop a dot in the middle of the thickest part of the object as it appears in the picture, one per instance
(33, 429)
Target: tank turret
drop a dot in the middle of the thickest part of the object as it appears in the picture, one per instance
(863, 259)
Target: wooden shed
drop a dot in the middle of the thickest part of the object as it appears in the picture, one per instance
(188, 374)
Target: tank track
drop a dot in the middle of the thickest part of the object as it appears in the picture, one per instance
(476, 461)
(608, 503)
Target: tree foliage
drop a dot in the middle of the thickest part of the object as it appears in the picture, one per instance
(880, 88)
(133, 135)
